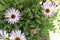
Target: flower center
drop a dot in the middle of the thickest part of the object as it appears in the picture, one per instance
(47, 10)
(17, 38)
(13, 16)
(7, 39)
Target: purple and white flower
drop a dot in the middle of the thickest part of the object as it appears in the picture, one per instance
(17, 35)
(49, 9)
(12, 15)
(4, 35)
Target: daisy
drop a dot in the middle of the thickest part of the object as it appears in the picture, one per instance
(12, 15)
(48, 9)
(16, 35)
(4, 35)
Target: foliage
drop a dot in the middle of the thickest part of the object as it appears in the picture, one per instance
(31, 18)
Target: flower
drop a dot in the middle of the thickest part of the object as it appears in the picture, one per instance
(4, 35)
(12, 15)
(16, 35)
(48, 9)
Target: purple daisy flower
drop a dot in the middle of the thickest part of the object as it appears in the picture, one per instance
(12, 15)
(49, 9)
(17, 35)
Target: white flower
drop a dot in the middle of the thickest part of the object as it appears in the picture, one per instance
(12, 15)
(48, 9)
(4, 35)
(16, 35)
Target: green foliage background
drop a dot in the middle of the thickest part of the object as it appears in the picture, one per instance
(31, 18)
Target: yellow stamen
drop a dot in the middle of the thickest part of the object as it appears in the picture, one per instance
(7, 39)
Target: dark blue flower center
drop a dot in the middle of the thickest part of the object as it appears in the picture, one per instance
(47, 10)
(17, 38)
(13, 16)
